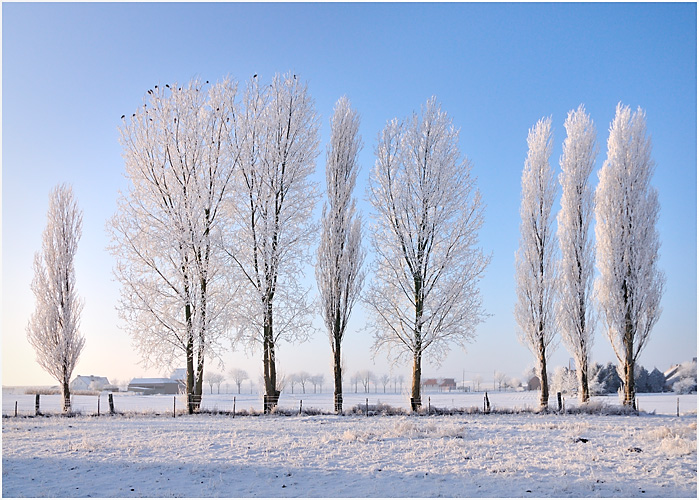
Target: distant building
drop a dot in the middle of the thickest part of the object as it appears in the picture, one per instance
(441, 385)
(90, 383)
(447, 384)
(430, 384)
(156, 386)
(179, 374)
(674, 374)
(533, 384)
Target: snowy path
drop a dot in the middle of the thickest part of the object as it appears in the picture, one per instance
(521, 455)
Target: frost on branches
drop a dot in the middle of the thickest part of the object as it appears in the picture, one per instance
(175, 291)
(629, 286)
(53, 327)
(424, 291)
(535, 259)
(271, 211)
(339, 271)
(575, 312)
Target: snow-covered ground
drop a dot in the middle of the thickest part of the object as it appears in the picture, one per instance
(497, 455)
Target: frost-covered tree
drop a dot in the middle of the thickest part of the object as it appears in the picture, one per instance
(500, 378)
(53, 329)
(317, 381)
(424, 294)
(687, 375)
(175, 289)
(339, 271)
(277, 137)
(303, 378)
(365, 377)
(238, 375)
(629, 285)
(656, 381)
(214, 379)
(576, 272)
(384, 379)
(477, 381)
(564, 380)
(535, 259)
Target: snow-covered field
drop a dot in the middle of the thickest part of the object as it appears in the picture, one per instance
(471, 455)
(497, 455)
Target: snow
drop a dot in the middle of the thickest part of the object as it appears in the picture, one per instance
(496, 455)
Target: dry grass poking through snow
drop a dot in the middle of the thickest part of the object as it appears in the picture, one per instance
(518, 455)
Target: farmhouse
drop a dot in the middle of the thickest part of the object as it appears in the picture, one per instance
(441, 385)
(430, 384)
(156, 386)
(447, 384)
(89, 383)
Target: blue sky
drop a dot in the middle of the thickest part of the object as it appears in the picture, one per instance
(71, 70)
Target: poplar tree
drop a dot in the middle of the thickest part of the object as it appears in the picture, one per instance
(339, 271)
(535, 259)
(630, 285)
(575, 310)
(53, 328)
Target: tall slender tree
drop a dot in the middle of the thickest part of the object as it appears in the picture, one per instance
(271, 210)
(175, 287)
(575, 312)
(630, 285)
(53, 328)
(535, 258)
(339, 271)
(424, 292)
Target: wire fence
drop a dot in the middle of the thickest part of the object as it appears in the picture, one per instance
(353, 403)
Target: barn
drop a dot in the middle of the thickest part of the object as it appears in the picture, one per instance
(156, 386)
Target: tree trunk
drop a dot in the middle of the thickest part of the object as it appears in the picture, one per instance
(199, 381)
(629, 382)
(543, 377)
(190, 371)
(584, 384)
(270, 368)
(415, 398)
(338, 377)
(65, 391)
(628, 364)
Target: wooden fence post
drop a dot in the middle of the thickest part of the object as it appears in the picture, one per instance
(15, 408)
(98, 405)
(233, 406)
(678, 407)
(111, 403)
(560, 403)
(300, 406)
(367, 407)
(429, 405)
(174, 405)
(36, 406)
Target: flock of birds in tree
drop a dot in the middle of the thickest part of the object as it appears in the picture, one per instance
(150, 91)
